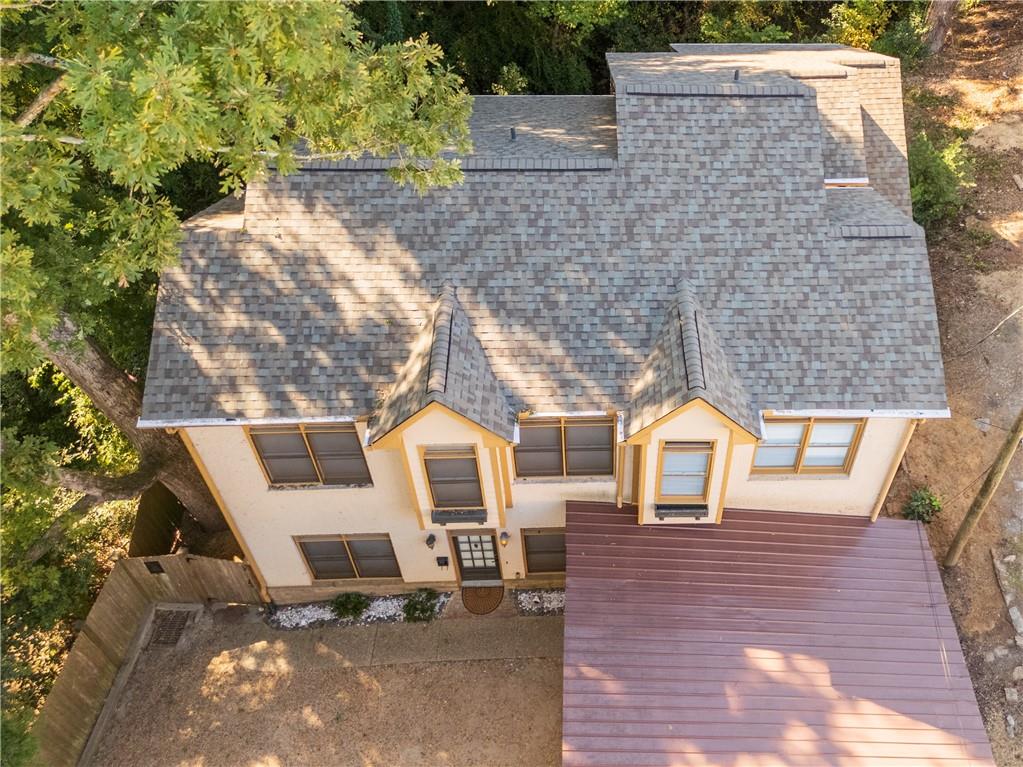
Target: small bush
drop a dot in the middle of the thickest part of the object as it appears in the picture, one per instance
(420, 606)
(350, 605)
(858, 22)
(742, 22)
(922, 506)
(936, 177)
(904, 39)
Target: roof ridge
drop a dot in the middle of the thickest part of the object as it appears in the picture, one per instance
(440, 347)
(692, 347)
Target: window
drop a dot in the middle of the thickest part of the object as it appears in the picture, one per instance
(545, 550)
(328, 454)
(684, 471)
(807, 446)
(370, 556)
(454, 477)
(565, 447)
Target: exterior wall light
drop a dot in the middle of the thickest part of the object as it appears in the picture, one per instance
(504, 538)
(431, 541)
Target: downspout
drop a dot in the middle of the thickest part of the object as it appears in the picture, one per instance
(894, 468)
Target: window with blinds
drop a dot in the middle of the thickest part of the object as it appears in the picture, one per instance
(565, 447)
(454, 478)
(545, 550)
(328, 454)
(683, 474)
(808, 446)
(364, 556)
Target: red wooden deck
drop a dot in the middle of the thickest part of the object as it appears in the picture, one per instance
(771, 639)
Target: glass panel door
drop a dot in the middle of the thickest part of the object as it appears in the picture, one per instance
(477, 557)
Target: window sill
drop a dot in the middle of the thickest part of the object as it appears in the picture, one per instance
(589, 478)
(319, 487)
(779, 476)
(343, 581)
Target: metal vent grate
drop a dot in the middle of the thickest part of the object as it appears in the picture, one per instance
(168, 626)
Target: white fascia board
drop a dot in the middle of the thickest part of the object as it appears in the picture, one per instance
(945, 413)
(144, 423)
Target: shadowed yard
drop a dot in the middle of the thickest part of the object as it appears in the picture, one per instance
(454, 692)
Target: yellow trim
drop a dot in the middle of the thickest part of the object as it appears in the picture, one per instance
(505, 476)
(707, 479)
(389, 439)
(893, 469)
(743, 436)
(495, 470)
(642, 481)
(724, 480)
(620, 478)
(808, 424)
(426, 474)
(411, 483)
(264, 592)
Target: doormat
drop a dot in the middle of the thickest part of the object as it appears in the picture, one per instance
(481, 600)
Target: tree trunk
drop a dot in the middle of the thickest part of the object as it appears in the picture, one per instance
(987, 490)
(939, 20)
(119, 398)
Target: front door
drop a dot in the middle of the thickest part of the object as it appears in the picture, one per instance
(477, 557)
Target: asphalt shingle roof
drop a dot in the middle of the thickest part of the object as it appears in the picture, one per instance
(688, 361)
(447, 364)
(567, 249)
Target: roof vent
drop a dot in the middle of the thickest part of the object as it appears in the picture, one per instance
(512, 129)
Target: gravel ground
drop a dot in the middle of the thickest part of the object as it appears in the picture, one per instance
(480, 692)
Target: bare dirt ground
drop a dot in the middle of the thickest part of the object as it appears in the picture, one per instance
(974, 90)
(481, 692)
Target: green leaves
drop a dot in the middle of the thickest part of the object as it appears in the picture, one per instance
(936, 179)
(150, 87)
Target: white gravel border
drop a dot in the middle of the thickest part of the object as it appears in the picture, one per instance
(540, 601)
(382, 609)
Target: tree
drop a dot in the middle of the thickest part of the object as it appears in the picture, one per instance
(987, 490)
(939, 21)
(101, 103)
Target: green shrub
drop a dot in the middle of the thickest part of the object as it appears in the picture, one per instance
(858, 22)
(349, 605)
(936, 178)
(904, 38)
(17, 746)
(420, 606)
(511, 81)
(922, 506)
(741, 22)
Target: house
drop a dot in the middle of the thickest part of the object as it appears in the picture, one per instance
(700, 294)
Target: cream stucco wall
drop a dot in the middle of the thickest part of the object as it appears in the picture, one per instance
(268, 519)
(398, 503)
(695, 424)
(854, 494)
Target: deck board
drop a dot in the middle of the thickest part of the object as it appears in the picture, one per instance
(772, 639)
